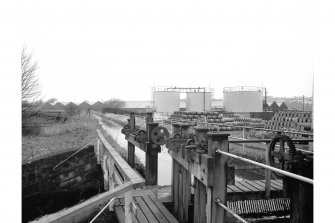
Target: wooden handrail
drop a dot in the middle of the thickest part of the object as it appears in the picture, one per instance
(127, 172)
(82, 211)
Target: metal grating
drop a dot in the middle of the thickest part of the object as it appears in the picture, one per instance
(259, 206)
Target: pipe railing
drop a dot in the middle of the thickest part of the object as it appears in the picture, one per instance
(286, 173)
(218, 202)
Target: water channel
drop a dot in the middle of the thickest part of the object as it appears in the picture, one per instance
(164, 158)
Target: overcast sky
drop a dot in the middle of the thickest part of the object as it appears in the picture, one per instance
(96, 50)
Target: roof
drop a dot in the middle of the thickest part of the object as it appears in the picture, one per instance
(71, 104)
(274, 105)
(47, 106)
(84, 105)
(59, 105)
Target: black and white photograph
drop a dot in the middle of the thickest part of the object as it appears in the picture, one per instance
(168, 111)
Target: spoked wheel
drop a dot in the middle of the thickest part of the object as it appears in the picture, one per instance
(281, 151)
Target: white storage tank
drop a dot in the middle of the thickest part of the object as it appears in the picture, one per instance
(243, 99)
(198, 101)
(166, 101)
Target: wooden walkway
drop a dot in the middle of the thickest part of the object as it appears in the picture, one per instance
(254, 186)
(253, 190)
(148, 208)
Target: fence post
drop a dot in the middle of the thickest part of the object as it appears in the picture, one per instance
(105, 172)
(111, 170)
(219, 140)
(131, 147)
(267, 175)
(97, 151)
(151, 155)
(128, 199)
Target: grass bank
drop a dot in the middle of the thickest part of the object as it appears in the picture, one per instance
(56, 138)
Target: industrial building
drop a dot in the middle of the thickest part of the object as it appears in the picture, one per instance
(243, 99)
(169, 99)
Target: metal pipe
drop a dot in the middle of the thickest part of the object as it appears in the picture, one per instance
(265, 140)
(102, 209)
(84, 147)
(288, 174)
(218, 202)
(284, 131)
(241, 140)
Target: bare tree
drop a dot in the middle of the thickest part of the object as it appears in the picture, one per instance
(30, 88)
(115, 104)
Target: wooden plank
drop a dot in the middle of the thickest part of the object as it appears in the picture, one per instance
(119, 210)
(131, 138)
(199, 202)
(163, 209)
(131, 147)
(202, 171)
(147, 212)
(245, 184)
(261, 184)
(131, 155)
(180, 196)
(219, 141)
(122, 165)
(82, 211)
(274, 186)
(242, 187)
(175, 182)
(133, 217)
(128, 198)
(186, 193)
(278, 182)
(140, 215)
(235, 189)
(151, 168)
(152, 206)
(258, 187)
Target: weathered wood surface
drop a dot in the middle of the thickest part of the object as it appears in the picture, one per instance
(200, 165)
(199, 202)
(126, 171)
(83, 211)
(219, 141)
(148, 208)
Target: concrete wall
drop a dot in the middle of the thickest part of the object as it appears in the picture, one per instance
(166, 101)
(198, 101)
(243, 101)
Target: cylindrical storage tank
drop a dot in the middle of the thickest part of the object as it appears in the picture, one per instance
(243, 100)
(198, 101)
(166, 101)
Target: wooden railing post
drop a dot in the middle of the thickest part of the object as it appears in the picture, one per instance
(199, 213)
(131, 147)
(151, 155)
(267, 175)
(218, 140)
(200, 132)
(128, 199)
(97, 151)
(176, 128)
(185, 130)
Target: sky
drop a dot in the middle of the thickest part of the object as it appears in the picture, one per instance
(97, 50)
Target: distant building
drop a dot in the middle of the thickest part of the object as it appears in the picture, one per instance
(97, 106)
(274, 106)
(283, 107)
(59, 106)
(266, 106)
(84, 106)
(138, 106)
(47, 107)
